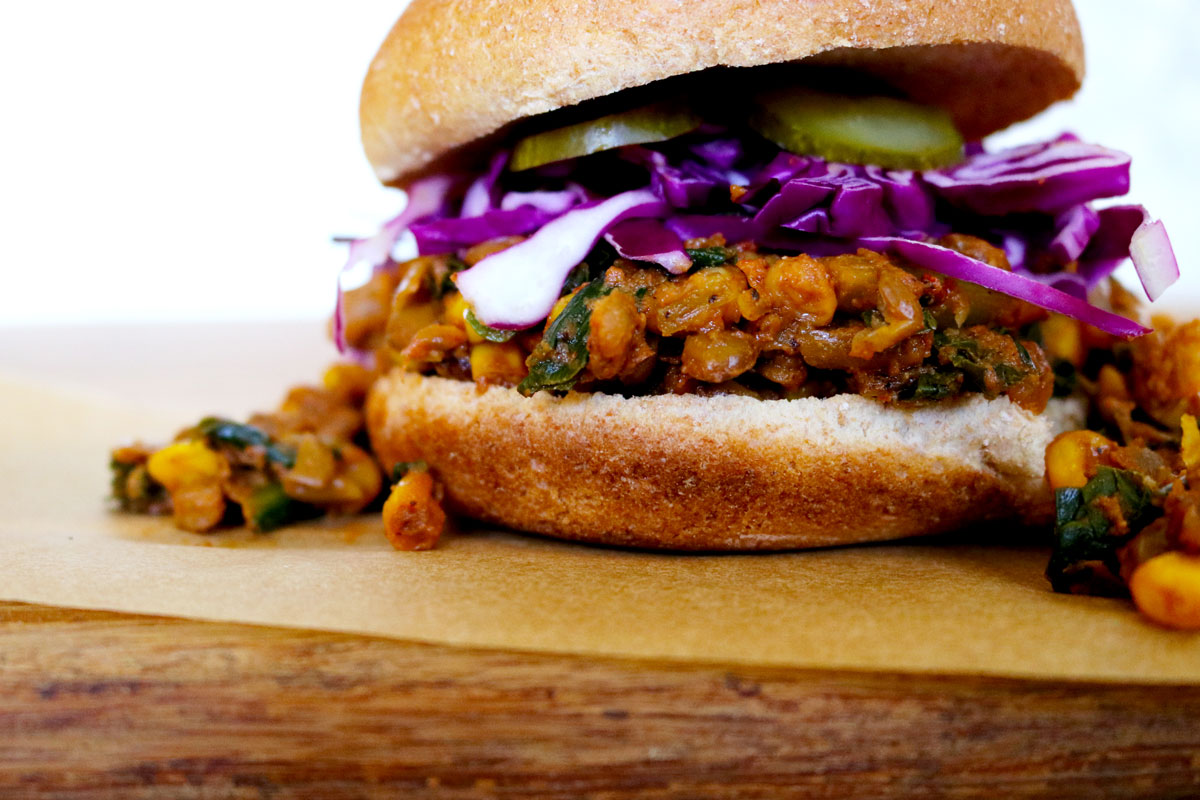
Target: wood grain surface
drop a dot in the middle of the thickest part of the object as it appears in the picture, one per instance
(95, 704)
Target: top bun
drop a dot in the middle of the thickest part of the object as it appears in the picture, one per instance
(455, 71)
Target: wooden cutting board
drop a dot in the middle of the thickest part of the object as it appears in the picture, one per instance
(97, 704)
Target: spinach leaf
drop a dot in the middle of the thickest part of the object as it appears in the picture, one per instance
(710, 256)
(1026, 359)
(577, 277)
(488, 333)
(223, 431)
(600, 258)
(1067, 503)
(937, 385)
(133, 489)
(269, 507)
(1086, 551)
(562, 353)
(442, 281)
(1009, 375)
(964, 355)
(1135, 499)
(976, 361)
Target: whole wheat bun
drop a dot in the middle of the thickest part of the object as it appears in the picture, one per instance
(687, 472)
(452, 72)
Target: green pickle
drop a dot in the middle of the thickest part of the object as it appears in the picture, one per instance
(653, 123)
(891, 133)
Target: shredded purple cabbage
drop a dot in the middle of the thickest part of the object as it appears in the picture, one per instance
(649, 240)
(956, 265)
(480, 195)
(1034, 202)
(428, 197)
(457, 233)
(516, 288)
(1048, 177)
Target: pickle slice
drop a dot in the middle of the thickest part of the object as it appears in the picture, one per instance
(891, 133)
(653, 123)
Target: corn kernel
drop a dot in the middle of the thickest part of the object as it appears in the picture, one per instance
(1111, 383)
(1190, 449)
(497, 363)
(1069, 456)
(347, 380)
(559, 305)
(456, 314)
(189, 463)
(315, 465)
(1063, 339)
(1167, 590)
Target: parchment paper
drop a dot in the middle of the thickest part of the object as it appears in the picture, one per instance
(67, 396)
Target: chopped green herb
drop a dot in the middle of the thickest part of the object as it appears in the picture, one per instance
(954, 339)
(488, 333)
(930, 321)
(1136, 501)
(1085, 557)
(1067, 503)
(710, 256)
(562, 353)
(577, 277)
(640, 294)
(1026, 359)
(598, 260)
(964, 354)
(976, 362)
(269, 508)
(443, 283)
(1009, 375)
(937, 385)
(235, 434)
(133, 489)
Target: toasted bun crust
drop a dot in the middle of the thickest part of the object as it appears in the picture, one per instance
(717, 473)
(454, 71)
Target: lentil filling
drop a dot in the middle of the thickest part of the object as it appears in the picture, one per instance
(741, 321)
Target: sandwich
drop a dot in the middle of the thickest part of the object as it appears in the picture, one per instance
(722, 276)
(713, 277)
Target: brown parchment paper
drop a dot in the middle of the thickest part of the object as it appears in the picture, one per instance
(66, 396)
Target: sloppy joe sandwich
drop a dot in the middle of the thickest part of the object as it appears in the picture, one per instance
(729, 276)
(721, 275)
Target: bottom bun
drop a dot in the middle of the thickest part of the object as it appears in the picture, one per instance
(718, 473)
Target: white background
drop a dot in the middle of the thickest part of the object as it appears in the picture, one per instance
(175, 161)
